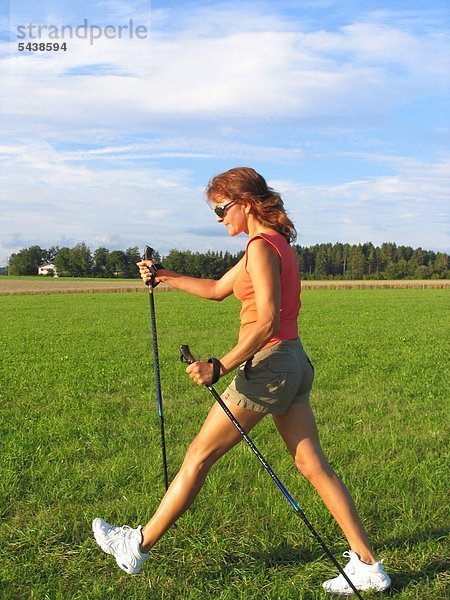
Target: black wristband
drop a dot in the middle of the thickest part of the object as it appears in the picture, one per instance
(216, 369)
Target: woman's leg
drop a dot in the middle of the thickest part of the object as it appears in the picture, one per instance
(216, 437)
(299, 431)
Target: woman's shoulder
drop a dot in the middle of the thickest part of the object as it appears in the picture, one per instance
(269, 238)
(260, 250)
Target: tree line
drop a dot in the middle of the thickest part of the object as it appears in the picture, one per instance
(366, 261)
(321, 261)
(78, 261)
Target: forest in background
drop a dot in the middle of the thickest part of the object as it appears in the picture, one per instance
(320, 261)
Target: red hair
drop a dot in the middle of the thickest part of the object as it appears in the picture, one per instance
(244, 184)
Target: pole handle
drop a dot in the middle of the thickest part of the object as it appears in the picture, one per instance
(148, 253)
(186, 355)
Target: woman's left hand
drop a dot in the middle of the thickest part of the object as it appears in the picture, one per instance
(201, 372)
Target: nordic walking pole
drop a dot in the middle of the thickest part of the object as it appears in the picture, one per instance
(186, 356)
(148, 253)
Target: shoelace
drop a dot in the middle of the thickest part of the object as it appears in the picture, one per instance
(127, 531)
(124, 531)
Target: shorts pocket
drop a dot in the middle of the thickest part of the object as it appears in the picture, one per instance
(260, 382)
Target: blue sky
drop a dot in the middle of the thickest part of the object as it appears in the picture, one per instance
(342, 105)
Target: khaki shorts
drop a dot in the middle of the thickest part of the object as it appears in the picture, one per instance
(273, 380)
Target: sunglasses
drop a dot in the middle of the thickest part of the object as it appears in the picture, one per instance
(222, 209)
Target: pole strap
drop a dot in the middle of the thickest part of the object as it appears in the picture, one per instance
(216, 369)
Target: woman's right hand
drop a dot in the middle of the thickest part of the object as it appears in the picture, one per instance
(144, 271)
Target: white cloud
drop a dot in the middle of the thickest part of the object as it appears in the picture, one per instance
(103, 143)
(188, 147)
(407, 207)
(259, 67)
(117, 203)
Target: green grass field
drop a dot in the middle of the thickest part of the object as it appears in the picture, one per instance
(79, 436)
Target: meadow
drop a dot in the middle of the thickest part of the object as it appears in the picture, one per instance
(79, 438)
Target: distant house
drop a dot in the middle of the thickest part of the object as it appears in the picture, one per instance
(48, 270)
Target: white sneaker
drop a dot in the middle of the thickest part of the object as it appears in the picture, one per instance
(124, 543)
(363, 576)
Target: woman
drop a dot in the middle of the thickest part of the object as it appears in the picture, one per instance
(274, 376)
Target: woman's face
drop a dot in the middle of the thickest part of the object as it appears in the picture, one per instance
(233, 216)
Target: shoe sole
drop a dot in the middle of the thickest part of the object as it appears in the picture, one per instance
(126, 567)
(352, 593)
(371, 589)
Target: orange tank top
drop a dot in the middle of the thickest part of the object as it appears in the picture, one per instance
(290, 290)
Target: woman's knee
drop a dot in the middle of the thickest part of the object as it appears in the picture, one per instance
(313, 466)
(200, 457)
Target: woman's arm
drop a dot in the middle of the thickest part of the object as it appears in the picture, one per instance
(205, 288)
(263, 266)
